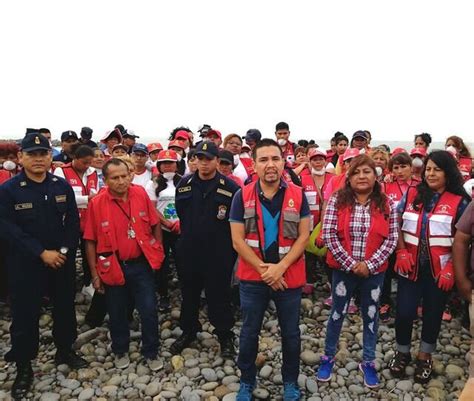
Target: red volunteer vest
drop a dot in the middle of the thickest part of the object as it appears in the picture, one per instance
(111, 273)
(440, 230)
(289, 154)
(378, 232)
(313, 197)
(75, 181)
(394, 191)
(248, 165)
(465, 166)
(295, 275)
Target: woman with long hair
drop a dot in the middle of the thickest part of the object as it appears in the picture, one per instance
(465, 161)
(360, 231)
(428, 213)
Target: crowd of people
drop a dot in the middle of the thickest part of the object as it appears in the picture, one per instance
(244, 219)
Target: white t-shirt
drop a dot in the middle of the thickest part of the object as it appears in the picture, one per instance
(240, 170)
(142, 179)
(165, 202)
(81, 200)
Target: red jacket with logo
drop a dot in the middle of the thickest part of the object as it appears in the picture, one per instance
(295, 275)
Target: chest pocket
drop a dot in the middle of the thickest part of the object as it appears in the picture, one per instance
(311, 197)
(410, 222)
(25, 212)
(441, 225)
(250, 221)
(291, 221)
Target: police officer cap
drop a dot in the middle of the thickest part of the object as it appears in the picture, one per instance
(68, 135)
(86, 132)
(207, 149)
(32, 142)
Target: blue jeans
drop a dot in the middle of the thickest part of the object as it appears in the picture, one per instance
(139, 280)
(343, 285)
(254, 298)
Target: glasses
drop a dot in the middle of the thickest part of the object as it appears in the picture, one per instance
(234, 143)
(142, 155)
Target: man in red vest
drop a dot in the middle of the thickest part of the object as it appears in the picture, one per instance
(123, 245)
(270, 221)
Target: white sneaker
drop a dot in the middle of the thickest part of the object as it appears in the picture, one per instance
(155, 364)
(88, 291)
(122, 361)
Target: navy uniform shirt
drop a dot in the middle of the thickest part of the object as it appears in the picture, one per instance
(38, 216)
(203, 208)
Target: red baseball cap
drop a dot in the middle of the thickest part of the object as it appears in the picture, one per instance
(214, 132)
(176, 143)
(350, 153)
(153, 147)
(167, 156)
(313, 152)
(418, 152)
(182, 134)
(397, 151)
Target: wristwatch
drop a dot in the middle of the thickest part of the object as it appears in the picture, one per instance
(63, 250)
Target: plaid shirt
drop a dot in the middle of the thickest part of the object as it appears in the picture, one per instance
(358, 229)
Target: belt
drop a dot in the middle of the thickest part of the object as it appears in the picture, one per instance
(140, 259)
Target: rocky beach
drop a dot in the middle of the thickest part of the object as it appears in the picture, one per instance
(201, 374)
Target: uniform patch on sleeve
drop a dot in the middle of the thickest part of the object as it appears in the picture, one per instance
(224, 192)
(61, 198)
(23, 206)
(184, 189)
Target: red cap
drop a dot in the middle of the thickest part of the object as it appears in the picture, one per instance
(350, 153)
(176, 143)
(182, 134)
(313, 152)
(214, 132)
(397, 151)
(152, 147)
(167, 156)
(418, 152)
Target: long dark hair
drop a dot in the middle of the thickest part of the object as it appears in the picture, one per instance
(346, 196)
(454, 182)
(161, 182)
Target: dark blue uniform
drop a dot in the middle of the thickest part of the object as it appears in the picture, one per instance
(62, 157)
(35, 217)
(204, 250)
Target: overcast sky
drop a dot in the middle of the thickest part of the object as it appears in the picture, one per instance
(394, 68)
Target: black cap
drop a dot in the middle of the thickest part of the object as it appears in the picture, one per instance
(121, 128)
(360, 134)
(86, 133)
(32, 131)
(35, 141)
(203, 130)
(253, 134)
(68, 135)
(129, 134)
(226, 156)
(207, 149)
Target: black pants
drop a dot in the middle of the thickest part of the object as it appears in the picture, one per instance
(215, 280)
(162, 275)
(3, 273)
(26, 281)
(408, 298)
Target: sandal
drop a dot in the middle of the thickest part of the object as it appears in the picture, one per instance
(423, 370)
(398, 364)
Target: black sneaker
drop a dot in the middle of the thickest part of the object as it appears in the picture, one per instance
(181, 343)
(228, 348)
(23, 381)
(70, 358)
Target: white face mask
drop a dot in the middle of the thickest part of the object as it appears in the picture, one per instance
(179, 157)
(362, 151)
(169, 176)
(318, 172)
(282, 142)
(378, 171)
(9, 165)
(417, 162)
